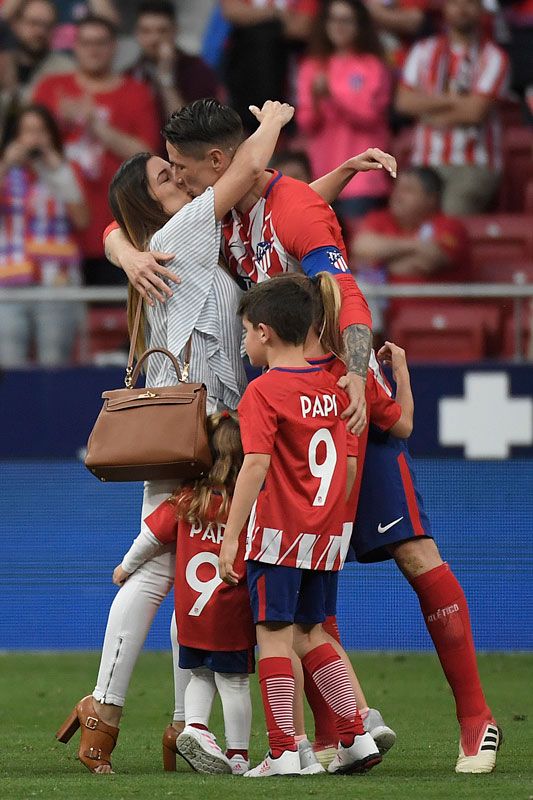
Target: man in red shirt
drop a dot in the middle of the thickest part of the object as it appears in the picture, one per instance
(104, 118)
(412, 241)
(451, 86)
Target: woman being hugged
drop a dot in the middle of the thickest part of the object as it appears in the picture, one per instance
(344, 90)
(152, 210)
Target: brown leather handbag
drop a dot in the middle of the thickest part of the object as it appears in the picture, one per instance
(154, 433)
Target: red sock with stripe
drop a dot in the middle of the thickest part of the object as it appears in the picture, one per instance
(445, 611)
(277, 690)
(331, 678)
(324, 718)
(330, 626)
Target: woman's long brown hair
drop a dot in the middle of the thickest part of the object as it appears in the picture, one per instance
(366, 39)
(193, 502)
(139, 217)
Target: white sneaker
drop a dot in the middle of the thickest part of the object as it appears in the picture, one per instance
(383, 736)
(483, 757)
(361, 756)
(309, 764)
(200, 749)
(288, 763)
(239, 765)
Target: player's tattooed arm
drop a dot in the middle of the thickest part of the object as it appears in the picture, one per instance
(358, 343)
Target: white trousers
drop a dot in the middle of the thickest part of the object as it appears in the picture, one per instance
(132, 613)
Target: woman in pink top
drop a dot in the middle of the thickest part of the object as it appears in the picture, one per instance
(344, 92)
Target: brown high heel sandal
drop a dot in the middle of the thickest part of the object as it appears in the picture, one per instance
(98, 739)
(169, 748)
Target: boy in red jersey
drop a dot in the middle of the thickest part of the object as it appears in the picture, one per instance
(293, 485)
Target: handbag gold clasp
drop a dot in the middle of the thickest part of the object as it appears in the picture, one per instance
(144, 395)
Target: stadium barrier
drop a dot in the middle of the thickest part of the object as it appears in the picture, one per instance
(518, 293)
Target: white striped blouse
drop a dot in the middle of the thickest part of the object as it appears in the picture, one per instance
(204, 304)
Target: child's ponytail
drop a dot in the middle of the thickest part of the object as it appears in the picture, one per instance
(327, 312)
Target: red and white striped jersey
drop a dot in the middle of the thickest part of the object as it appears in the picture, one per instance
(436, 67)
(289, 228)
(294, 415)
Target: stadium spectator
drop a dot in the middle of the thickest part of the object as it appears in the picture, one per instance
(259, 47)
(42, 203)
(104, 118)
(399, 24)
(293, 164)
(175, 77)
(344, 90)
(412, 241)
(29, 42)
(68, 13)
(451, 85)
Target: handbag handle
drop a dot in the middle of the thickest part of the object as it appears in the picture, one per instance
(132, 375)
(137, 370)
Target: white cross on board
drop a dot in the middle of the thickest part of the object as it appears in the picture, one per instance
(487, 420)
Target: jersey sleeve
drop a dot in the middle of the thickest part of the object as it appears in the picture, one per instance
(352, 445)
(258, 421)
(384, 410)
(163, 522)
(493, 79)
(413, 66)
(113, 226)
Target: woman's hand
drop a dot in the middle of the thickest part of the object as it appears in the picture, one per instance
(273, 108)
(120, 576)
(373, 158)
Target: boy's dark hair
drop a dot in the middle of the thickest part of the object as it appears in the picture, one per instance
(285, 306)
(428, 177)
(94, 19)
(296, 156)
(163, 8)
(202, 124)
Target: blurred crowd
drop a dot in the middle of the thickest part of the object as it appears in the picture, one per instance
(445, 85)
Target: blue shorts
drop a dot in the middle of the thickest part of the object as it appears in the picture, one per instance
(232, 661)
(390, 508)
(331, 594)
(287, 594)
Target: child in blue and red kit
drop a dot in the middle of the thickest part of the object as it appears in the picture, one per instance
(293, 485)
(215, 627)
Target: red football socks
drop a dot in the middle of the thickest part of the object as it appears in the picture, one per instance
(277, 690)
(445, 611)
(328, 672)
(243, 753)
(330, 626)
(324, 718)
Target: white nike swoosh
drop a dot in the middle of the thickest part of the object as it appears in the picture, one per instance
(385, 528)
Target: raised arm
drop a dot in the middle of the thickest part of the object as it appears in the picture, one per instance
(329, 186)
(394, 356)
(252, 157)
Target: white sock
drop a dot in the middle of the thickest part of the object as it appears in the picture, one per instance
(181, 676)
(199, 696)
(234, 691)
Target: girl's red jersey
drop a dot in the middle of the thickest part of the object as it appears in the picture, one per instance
(210, 615)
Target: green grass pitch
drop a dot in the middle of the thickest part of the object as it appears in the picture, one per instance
(38, 690)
